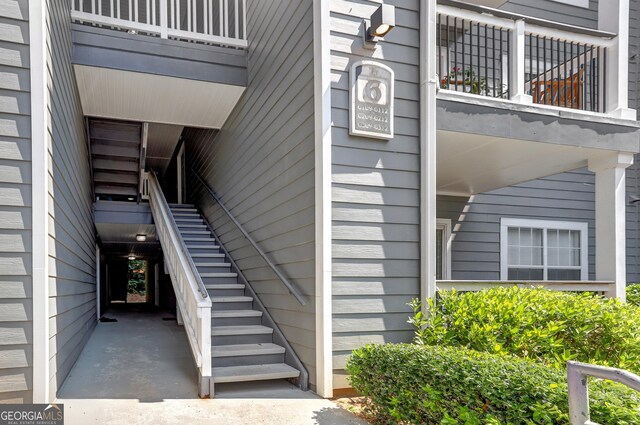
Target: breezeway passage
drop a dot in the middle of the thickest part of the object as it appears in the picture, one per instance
(139, 371)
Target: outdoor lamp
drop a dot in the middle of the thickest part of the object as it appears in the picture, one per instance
(382, 22)
(131, 257)
(141, 238)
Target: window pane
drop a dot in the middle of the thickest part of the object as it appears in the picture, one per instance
(575, 239)
(576, 257)
(439, 247)
(536, 237)
(525, 256)
(525, 237)
(513, 258)
(563, 274)
(537, 256)
(563, 238)
(514, 239)
(552, 256)
(566, 256)
(524, 274)
(552, 238)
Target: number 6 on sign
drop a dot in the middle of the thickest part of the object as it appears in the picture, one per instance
(371, 100)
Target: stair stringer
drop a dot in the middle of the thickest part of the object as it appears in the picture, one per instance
(290, 356)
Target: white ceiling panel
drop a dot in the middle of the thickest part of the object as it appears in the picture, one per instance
(133, 96)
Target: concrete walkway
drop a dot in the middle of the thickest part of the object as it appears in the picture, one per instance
(139, 371)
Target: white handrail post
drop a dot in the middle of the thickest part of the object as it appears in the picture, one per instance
(164, 32)
(205, 340)
(517, 65)
(578, 396)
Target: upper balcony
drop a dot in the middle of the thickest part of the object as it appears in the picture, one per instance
(486, 52)
(180, 62)
(522, 97)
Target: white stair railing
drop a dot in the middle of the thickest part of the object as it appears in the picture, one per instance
(577, 376)
(192, 298)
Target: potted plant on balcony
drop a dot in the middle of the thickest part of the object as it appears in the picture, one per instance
(464, 81)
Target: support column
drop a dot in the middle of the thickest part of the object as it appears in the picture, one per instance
(613, 16)
(611, 259)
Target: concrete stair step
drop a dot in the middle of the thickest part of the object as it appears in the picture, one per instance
(194, 239)
(214, 275)
(253, 373)
(194, 232)
(235, 313)
(224, 286)
(207, 255)
(246, 350)
(241, 330)
(198, 264)
(234, 299)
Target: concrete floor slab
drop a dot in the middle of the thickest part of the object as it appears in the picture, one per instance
(139, 371)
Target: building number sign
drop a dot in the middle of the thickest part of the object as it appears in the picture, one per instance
(371, 98)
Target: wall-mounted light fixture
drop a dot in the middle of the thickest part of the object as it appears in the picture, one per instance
(141, 238)
(132, 257)
(381, 23)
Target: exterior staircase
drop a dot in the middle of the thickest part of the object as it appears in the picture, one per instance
(243, 348)
(115, 155)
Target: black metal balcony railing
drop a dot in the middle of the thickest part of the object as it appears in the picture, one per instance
(473, 57)
(482, 55)
(564, 73)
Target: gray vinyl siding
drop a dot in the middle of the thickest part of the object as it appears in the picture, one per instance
(16, 354)
(261, 163)
(633, 222)
(72, 290)
(633, 172)
(475, 248)
(556, 10)
(375, 189)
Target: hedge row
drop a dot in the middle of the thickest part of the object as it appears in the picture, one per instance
(549, 326)
(411, 384)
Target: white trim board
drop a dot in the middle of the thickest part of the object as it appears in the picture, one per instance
(445, 225)
(40, 200)
(323, 270)
(583, 227)
(428, 90)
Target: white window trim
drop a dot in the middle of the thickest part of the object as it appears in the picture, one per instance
(505, 223)
(578, 3)
(445, 225)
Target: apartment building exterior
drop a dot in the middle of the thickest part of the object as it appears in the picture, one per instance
(220, 140)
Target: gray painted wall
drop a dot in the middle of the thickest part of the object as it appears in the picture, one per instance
(556, 10)
(15, 205)
(262, 165)
(475, 248)
(71, 230)
(375, 189)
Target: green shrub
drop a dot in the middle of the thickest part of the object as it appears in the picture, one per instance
(549, 326)
(633, 294)
(411, 384)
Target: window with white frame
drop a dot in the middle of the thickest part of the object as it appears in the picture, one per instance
(543, 250)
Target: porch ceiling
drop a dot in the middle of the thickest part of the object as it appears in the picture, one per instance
(135, 96)
(472, 163)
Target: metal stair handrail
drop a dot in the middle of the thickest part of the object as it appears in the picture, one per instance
(577, 374)
(192, 298)
(293, 290)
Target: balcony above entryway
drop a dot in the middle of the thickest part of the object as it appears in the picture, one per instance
(181, 62)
